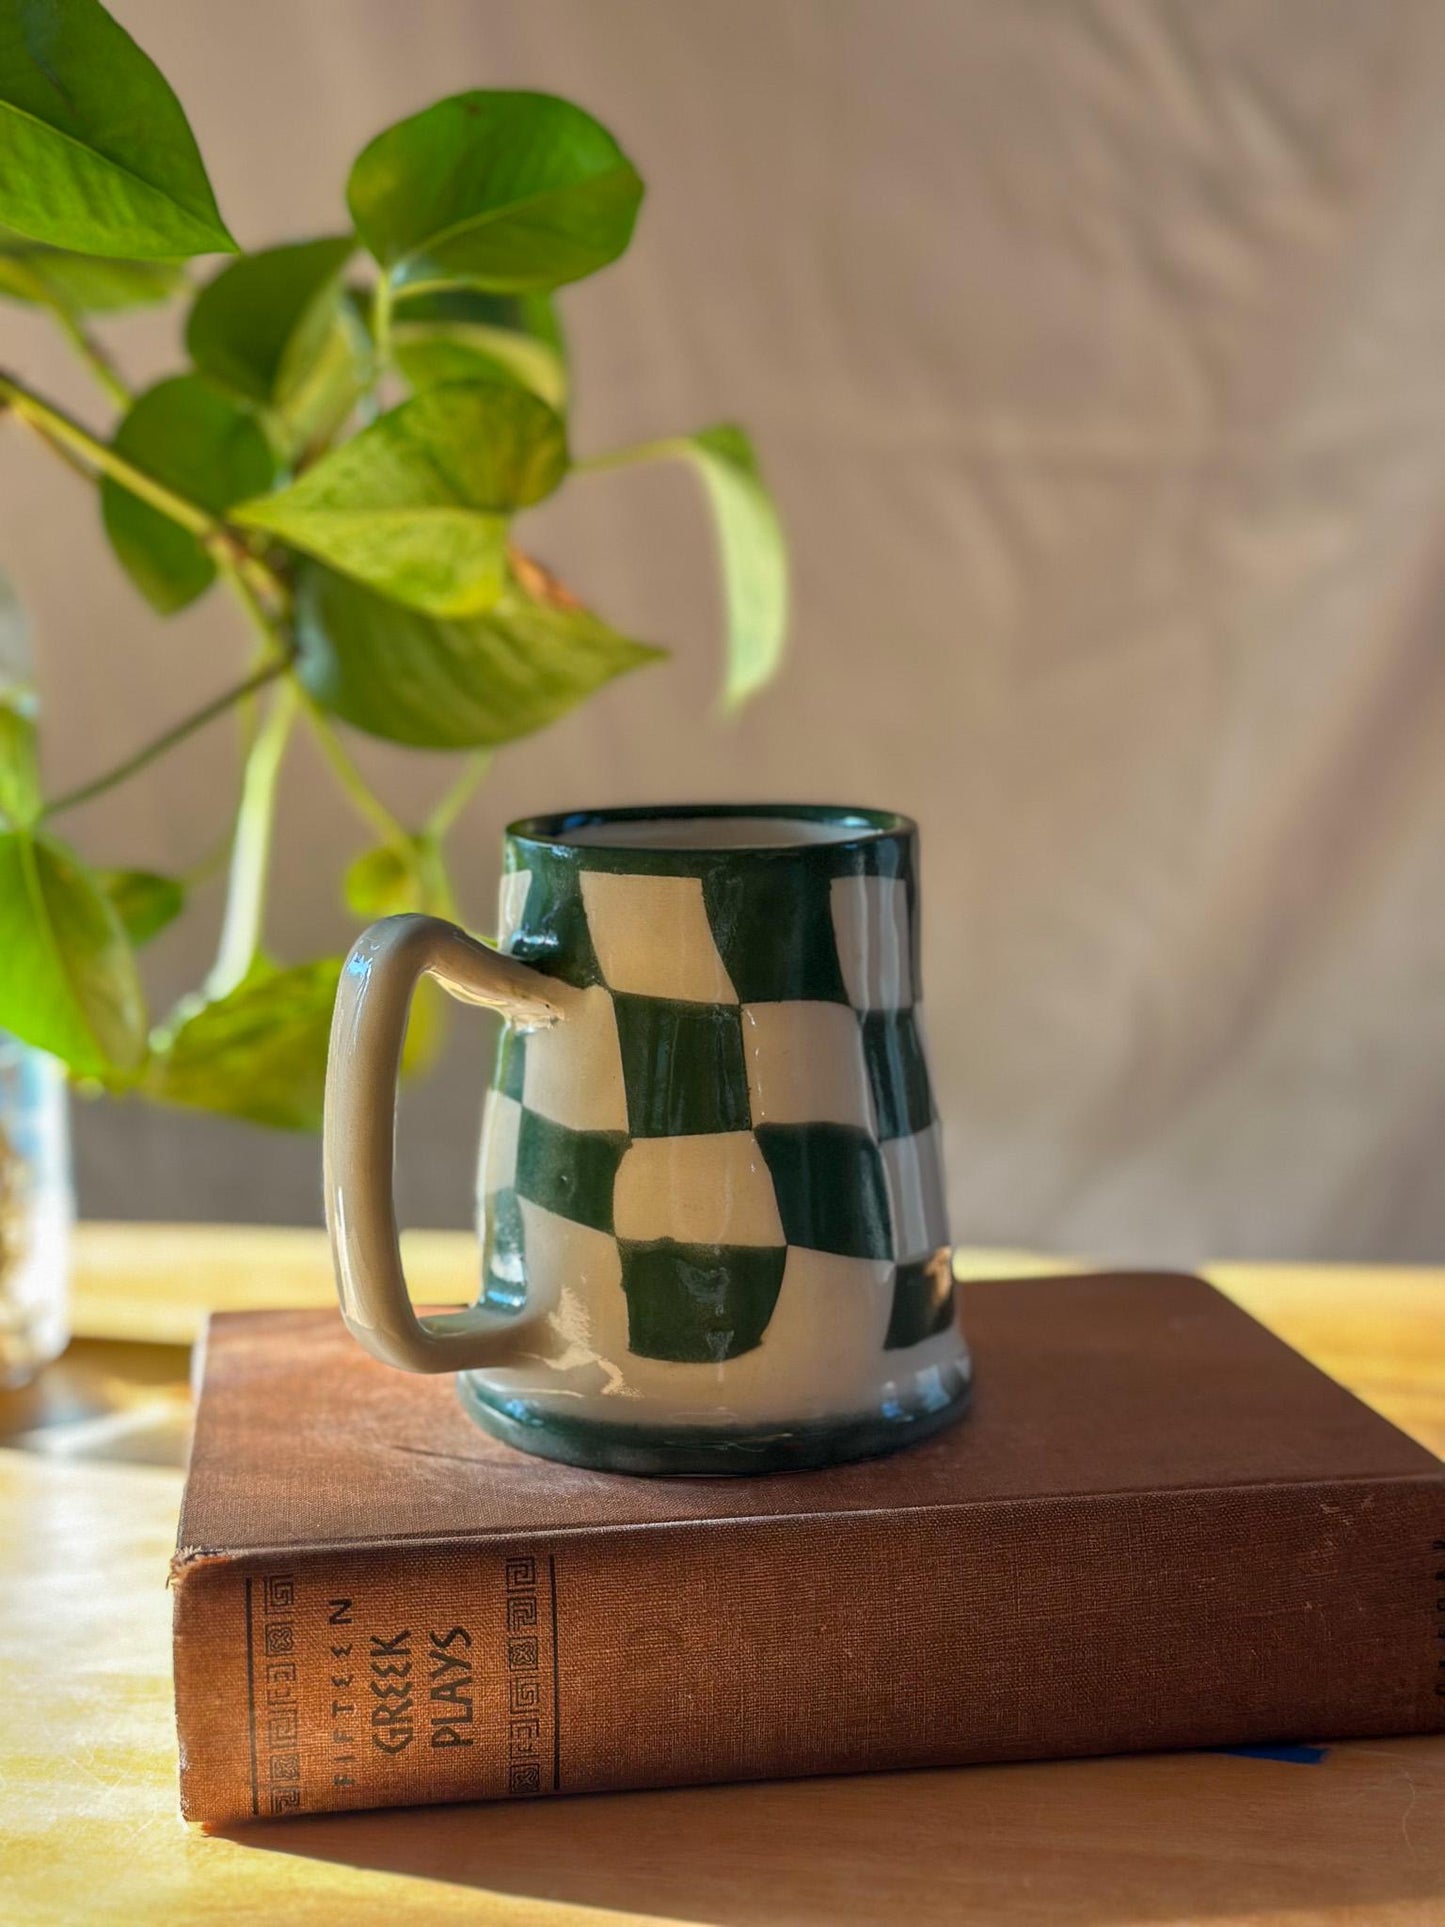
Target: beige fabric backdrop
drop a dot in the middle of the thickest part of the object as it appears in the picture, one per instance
(1097, 353)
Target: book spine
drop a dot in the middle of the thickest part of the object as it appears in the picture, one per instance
(394, 1674)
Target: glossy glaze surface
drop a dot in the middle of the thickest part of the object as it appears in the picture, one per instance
(712, 1193)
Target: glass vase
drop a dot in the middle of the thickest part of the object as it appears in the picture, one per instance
(37, 1210)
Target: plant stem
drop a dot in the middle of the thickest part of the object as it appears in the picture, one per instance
(251, 850)
(381, 323)
(95, 358)
(58, 427)
(448, 809)
(368, 804)
(437, 897)
(168, 740)
(67, 455)
(269, 626)
(203, 870)
(255, 814)
(248, 575)
(69, 439)
(660, 451)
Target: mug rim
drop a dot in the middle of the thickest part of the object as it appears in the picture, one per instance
(556, 829)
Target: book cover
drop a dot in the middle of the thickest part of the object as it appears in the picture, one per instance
(1159, 1527)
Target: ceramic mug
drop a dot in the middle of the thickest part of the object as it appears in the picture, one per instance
(710, 1193)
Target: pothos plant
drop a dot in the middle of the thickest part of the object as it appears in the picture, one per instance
(361, 419)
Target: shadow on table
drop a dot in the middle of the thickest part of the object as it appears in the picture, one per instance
(104, 1399)
(1095, 1841)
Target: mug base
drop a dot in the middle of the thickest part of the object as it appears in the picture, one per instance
(654, 1451)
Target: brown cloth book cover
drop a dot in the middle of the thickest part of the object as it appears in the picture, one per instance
(1159, 1527)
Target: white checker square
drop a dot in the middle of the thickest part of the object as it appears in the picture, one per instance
(913, 1173)
(805, 1064)
(653, 939)
(575, 1322)
(819, 1356)
(572, 1071)
(875, 942)
(511, 902)
(707, 1190)
(826, 1332)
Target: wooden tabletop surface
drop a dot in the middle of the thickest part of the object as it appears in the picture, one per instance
(89, 1486)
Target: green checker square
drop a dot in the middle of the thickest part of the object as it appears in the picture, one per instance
(828, 1179)
(552, 933)
(510, 1072)
(773, 927)
(699, 1304)
(922, 1304)
(504, 1253)
(897, 1072)
(683, 1065)
(569, 1172)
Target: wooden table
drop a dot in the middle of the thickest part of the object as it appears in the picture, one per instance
(89, 1485)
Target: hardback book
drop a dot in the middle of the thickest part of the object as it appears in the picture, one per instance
(1158, 1527)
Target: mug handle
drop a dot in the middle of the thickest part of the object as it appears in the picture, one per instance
(368, 1029)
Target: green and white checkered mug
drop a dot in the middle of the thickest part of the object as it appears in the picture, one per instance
(710, 1193)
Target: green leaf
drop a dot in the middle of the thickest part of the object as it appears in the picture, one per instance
(330, 387)
(144, 901)
(278, 329)
(466, 334)
(383, 882)
(67, 977)
(80, 284)
(386, 882)
(508, 191)
(257, 1053)
(261, 325)
(415, 505)
(189, 435)
(753, 550)
(754, 557)
(95, 152)
(20, 799)
(398, 674)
